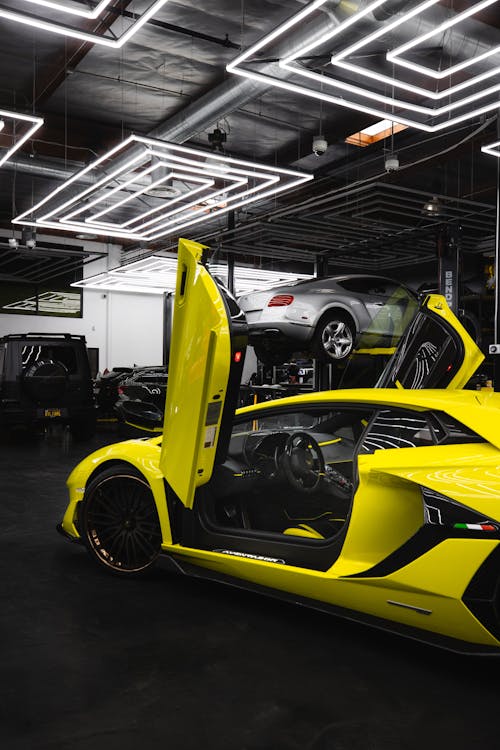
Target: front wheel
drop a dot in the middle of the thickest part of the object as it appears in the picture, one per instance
(334, 338)
(119, 521)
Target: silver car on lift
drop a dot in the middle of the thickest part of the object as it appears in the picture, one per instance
(327, 317)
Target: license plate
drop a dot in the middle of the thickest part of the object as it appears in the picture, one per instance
(52, 412)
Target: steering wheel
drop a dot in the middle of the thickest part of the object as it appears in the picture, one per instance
(302, 462)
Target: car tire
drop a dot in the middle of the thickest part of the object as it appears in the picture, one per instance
(119, 521)
(333, 339)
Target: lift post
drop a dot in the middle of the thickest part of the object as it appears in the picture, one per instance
(448, 248)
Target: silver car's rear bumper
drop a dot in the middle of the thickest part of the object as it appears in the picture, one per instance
(285, 333)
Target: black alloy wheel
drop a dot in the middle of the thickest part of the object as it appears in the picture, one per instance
(119, 521)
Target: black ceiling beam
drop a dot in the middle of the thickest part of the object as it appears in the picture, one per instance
(178, 29)
(74, 52)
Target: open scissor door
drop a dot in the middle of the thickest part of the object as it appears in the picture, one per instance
(207, 350)
(435, 352)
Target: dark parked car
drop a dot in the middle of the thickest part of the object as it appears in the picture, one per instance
(326, 316)
(106, 389)
(46, 378)
(141, 398)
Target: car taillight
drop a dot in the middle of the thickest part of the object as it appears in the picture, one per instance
(120, 390)
(280, 300)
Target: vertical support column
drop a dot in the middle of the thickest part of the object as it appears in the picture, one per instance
(323, 377)
(449, 245)
(496, 370)
(321, 266)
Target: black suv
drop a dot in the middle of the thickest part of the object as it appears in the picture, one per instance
(45, 377)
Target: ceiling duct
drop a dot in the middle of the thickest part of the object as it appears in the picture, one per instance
(235, 92)
(159, 181)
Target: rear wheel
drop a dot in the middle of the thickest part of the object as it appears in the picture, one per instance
(119, 521)
(334, 337)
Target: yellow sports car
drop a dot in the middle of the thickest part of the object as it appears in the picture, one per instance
(381, 505)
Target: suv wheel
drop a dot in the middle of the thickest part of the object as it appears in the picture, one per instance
(45, 380)
(334, 337)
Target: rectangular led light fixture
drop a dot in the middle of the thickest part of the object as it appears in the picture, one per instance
(46, 23)
(123, 199)
(352, 82)
(157, 274)
(28, 125)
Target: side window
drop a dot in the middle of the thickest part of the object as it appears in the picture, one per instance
(449, 432)
(427, 357)
(393, 428)
(2, 359)
(34, 353)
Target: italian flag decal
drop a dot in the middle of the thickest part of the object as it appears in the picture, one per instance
(475, 526)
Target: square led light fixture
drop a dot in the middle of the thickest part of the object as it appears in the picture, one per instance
(157, 274)
(55, 16)
(146, 189)
(15, 129)
(376, 67)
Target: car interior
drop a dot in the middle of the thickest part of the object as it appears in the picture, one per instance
(291, 473)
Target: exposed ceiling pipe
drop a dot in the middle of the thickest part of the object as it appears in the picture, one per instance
(43, 168)
(235, 92)
(228, 96)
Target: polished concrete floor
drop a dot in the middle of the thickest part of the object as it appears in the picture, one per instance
(89, 661)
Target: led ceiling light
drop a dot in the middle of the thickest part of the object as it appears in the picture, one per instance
(354, 82)
(24, 126)
(157, 274)
(120, 202)
(56, 27)
(492, 148)
(83, 11)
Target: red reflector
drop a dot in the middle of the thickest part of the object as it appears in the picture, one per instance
(237, 357)
(280, 300)
(449, 368)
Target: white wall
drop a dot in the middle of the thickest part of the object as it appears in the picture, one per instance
(126, 328)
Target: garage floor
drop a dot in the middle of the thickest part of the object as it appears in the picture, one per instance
(91, 661)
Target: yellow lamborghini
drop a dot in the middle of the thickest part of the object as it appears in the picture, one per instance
(381, 505)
